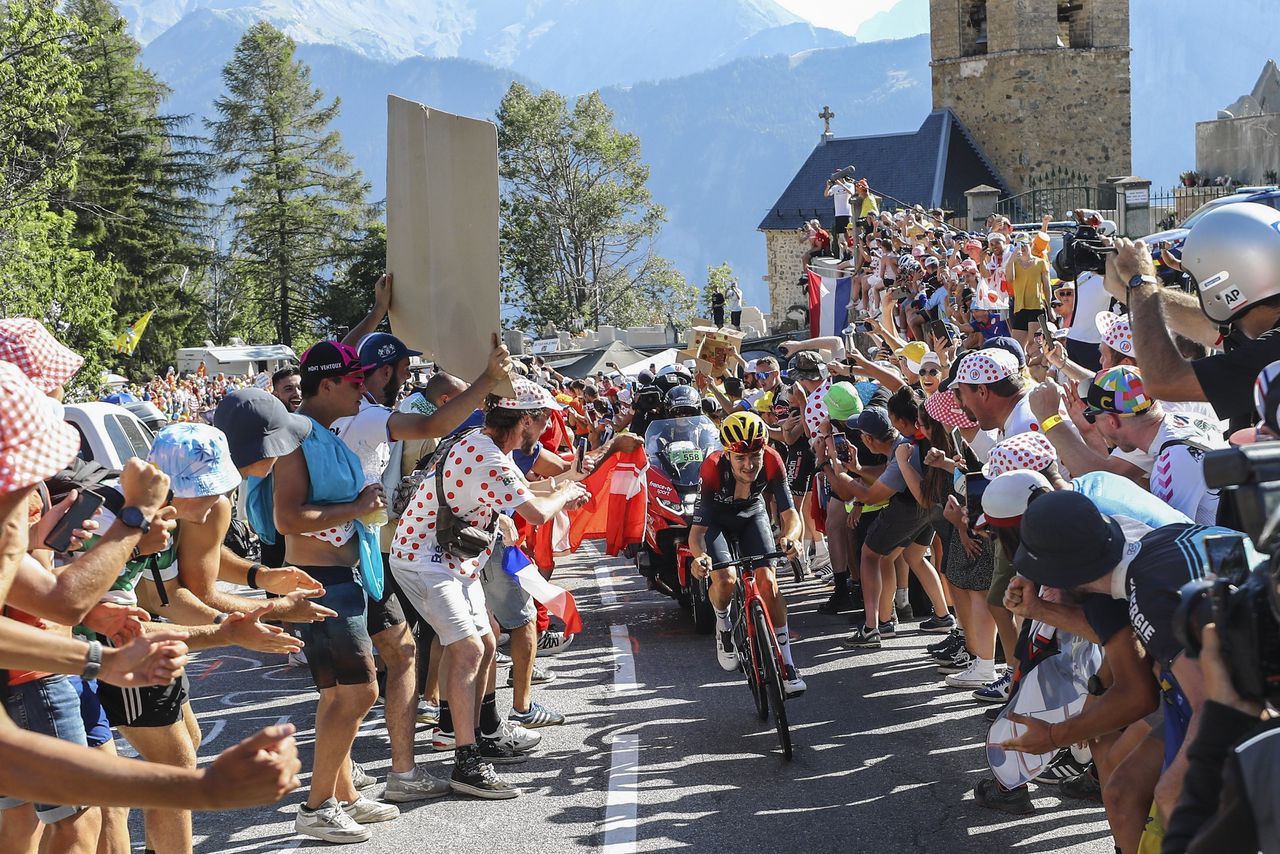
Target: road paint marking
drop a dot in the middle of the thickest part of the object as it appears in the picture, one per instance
(624, 662)
(620, 807)
(208, 671)
(214, 732)
(604, 583)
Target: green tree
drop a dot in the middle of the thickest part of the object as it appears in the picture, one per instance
(298, 207)
(578, 221)
(137, 193)
(350, 296)
(718, 278)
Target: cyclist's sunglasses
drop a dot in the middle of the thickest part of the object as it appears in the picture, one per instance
(745, 447)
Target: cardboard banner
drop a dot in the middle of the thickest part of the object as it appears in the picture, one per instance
(442, 235)
(715, 350)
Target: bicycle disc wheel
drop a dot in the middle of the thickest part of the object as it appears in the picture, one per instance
(768, 645)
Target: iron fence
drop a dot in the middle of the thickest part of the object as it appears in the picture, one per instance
(1170, 208)
(1054, 201)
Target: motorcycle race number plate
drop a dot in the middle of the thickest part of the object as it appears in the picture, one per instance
(682, 454)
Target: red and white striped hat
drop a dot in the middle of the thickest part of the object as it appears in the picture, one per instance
(45, 361)
(1022, 451)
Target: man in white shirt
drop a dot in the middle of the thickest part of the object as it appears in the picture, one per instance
(840, 193)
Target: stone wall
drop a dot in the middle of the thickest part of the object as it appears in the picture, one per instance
(783, 253)
(1245, 148)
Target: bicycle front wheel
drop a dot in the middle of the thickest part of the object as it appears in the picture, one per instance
(767, 644)
(751, 655)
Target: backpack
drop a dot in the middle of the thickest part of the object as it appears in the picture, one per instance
(409, 484)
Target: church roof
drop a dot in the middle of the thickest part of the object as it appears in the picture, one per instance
(932, 166)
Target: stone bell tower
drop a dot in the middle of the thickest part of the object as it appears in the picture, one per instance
(1041, 84)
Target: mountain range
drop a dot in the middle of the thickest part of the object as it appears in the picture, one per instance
(724, 94)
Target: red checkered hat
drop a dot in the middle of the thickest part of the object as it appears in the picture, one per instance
(45, 361)
(1024, 451)
(529, 395)
(984, 367)
(35, 443)
(945, 409)
(1116, 333)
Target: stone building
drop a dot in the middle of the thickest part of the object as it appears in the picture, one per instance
(1244, 141)
(1040, 84)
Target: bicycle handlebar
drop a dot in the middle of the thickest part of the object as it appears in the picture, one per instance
(749, 559)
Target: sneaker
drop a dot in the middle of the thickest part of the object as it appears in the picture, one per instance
(540, 677)
(994, 712)
(512, 734)
(944, 655)
(838, 603)
(504, 638)
(1063, 767)
(991, 795)
(500, 657)
(1084, 786)
(726, 651)
(537, 716)
(889, 629)
(976, 675)
(955, 640)
(792, 684)
(360, 779)
(905, 614)
(472, 775)
(441, 740)
(553, 643)
(297, 659)
(938, 625)
(365, 811)
(419, 786)
(494, 751)
(863, 638)
(996, 691)
(329, 823)
(960, 661)
(428, 713)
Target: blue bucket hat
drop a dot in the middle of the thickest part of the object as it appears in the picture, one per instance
(197, 460)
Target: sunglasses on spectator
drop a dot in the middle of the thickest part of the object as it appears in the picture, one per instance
(763, 375)
(930, 372)
(746, 447)
(354, 379)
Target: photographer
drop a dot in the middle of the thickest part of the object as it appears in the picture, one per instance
(840, 191)
(1233, 254)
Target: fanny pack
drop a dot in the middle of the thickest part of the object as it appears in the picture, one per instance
(454, 535)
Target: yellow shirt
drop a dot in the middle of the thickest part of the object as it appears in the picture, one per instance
(868, 205)
(1026, 282)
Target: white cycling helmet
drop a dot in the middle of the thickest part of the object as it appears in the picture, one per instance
(1233, 256)
(679, 370)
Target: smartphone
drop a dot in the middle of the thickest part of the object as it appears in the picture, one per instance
(975, 485)
(938, 329)
(864, 326)
(1227, 557)
(85, 506)
(580, 455)
(957, 439)
(842, 446)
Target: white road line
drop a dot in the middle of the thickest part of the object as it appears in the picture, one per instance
(620, 807)
(624, 663)
(604, 583)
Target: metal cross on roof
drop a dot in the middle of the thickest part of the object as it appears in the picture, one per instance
(826, 115)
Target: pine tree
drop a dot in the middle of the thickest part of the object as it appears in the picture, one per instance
(137, 197)
(298, 207)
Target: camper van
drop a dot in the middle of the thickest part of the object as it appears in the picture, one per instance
(235, 359)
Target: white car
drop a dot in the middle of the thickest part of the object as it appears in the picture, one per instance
(109, 434)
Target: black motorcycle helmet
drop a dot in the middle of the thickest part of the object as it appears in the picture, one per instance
(683, 401)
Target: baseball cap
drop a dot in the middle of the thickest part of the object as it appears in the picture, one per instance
(930, 358)
(1005, 499)
(807, 364)
(382, 348)
(1021, 451)
(528, 396)
(874, 421)
(1067, 541)
(842, 401)
(1118, 391)
(45, 360)
(986, 366)
(945, 409)
(914, 353)
(258, 426)
(35, 443)
(197, 459)
(329, 359)
(1116, 332)
(1011, 345)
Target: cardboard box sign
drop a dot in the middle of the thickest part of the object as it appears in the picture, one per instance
(715, 350)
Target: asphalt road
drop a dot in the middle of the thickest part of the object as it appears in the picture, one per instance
(663, 752)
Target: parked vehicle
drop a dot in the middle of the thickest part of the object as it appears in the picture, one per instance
(109, 434)
(676, 449)
(1175, 236)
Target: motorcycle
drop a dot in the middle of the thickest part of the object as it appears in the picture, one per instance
(676, 449)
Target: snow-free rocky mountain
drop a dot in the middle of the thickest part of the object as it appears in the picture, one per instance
(724, 94)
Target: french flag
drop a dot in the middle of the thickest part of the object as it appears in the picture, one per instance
(828, 305)
(557, 600)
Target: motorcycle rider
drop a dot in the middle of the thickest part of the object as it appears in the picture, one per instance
(683, 401)
(734, 483)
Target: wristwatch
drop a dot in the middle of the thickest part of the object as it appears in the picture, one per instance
(1140, 280)
(132, 517)
(93, 662)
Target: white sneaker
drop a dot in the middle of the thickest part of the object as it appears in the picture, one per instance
(792, 683)
(553, 643)
(726, 651)
(976, 675)
(515, 737)
(365, 811)
(329, 823)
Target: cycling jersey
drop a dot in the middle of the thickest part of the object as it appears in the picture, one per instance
(718, 485)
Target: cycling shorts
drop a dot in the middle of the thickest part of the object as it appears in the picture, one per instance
(748, 527)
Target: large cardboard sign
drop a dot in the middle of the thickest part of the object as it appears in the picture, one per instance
(715, 350)
(442, 235)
